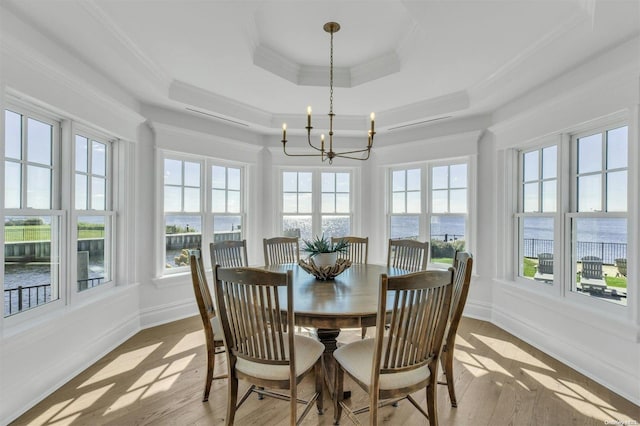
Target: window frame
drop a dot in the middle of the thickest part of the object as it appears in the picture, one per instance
(316, 213)
(205, 212)
(426, 200)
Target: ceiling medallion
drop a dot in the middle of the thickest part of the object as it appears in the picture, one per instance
(331, 28)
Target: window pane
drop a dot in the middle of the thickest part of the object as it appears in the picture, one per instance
(413, 180)
(39, 142)
(440, 177)
(82, 154)
(342, 203)
(192, 199)
(440, 201)
(531, 166)
(34, 242)
(398, 203)
(336, 226)
(191, 174)
(328, 182)
(98, 193)
(290, 182)
(590, 193)
(172, 199)
(38, 187)
(414, 202)
(233, 201)
(12, 185)
(172, 172)
(549, 196)
(398, 181)
(218, 200)
(233, 176)
(458, 176)
(218, 177)
(290, 203)
(550, 162)
(536, 257)
(447, 236)
(304, 182)
(342, 182)
(291, 224)
(12, 135)
(328, 203)
(458, 201)
(617, 148)
(183, 233)
(405, 227)
(81, 192)
(304, 203)
(617, 191)
(531, 197)
(227, 228)
(98, 158)
(590, 154)
(92, 238)
(599, 249)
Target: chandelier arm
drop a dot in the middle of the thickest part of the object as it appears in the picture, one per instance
(352, 152)
(284, 148)
(354, 158)
(312, 145)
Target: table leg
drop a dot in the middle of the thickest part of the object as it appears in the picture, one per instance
(329, 337)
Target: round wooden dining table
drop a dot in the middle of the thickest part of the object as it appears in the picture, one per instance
(350, 300)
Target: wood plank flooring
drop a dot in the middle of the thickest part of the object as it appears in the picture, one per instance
(157, 378)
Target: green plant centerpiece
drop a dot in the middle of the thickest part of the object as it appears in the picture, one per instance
(323, 259)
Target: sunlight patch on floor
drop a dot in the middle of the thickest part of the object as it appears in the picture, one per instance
(66, 422)
(586, 408)
(621, 418)
(467, 358)
(586, 394)
(189, 341)
(460, 341)
(125, 400)
(178, 366)
(82, 402)
(551, 383)
(122, 364)
(491, 365)
(161, 385)
(50, 412)
(525, 387)
(511, 351)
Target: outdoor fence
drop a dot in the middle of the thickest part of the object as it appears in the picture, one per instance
(608, 252)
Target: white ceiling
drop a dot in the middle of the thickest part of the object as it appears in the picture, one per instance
(261, 62)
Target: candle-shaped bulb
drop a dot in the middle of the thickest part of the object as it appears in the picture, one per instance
(284, 131)
(373, 116)
(309, 116)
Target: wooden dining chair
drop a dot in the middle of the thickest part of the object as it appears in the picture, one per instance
(403, 359)
(259, 350)
(358, 250)
(410, 255)
(230, 253)
(279, 250)
(210, 322)
(463, 264)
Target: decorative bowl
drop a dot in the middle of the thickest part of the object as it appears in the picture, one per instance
(325, 272)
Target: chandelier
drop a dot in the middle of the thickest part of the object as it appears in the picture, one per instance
(330, 154)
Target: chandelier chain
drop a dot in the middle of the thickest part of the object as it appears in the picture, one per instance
(331, 77)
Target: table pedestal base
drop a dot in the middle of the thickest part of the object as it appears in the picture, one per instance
(329, 337)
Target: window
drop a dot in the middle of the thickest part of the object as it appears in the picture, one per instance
(438, 214)
(599, 222)
(537, 218)
(302, 191)
(588, 256)
(448, 216)
(194, 217)
(94, 216)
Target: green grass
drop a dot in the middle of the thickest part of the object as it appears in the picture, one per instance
(529, 267)
(616, 282)
(442, 260)
(18, 233)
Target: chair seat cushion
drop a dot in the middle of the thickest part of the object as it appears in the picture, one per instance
(356, 358)
(308, 351)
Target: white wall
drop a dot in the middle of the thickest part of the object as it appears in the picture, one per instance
(37, 357)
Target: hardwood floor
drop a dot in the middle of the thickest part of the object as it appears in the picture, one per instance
(157, 377)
